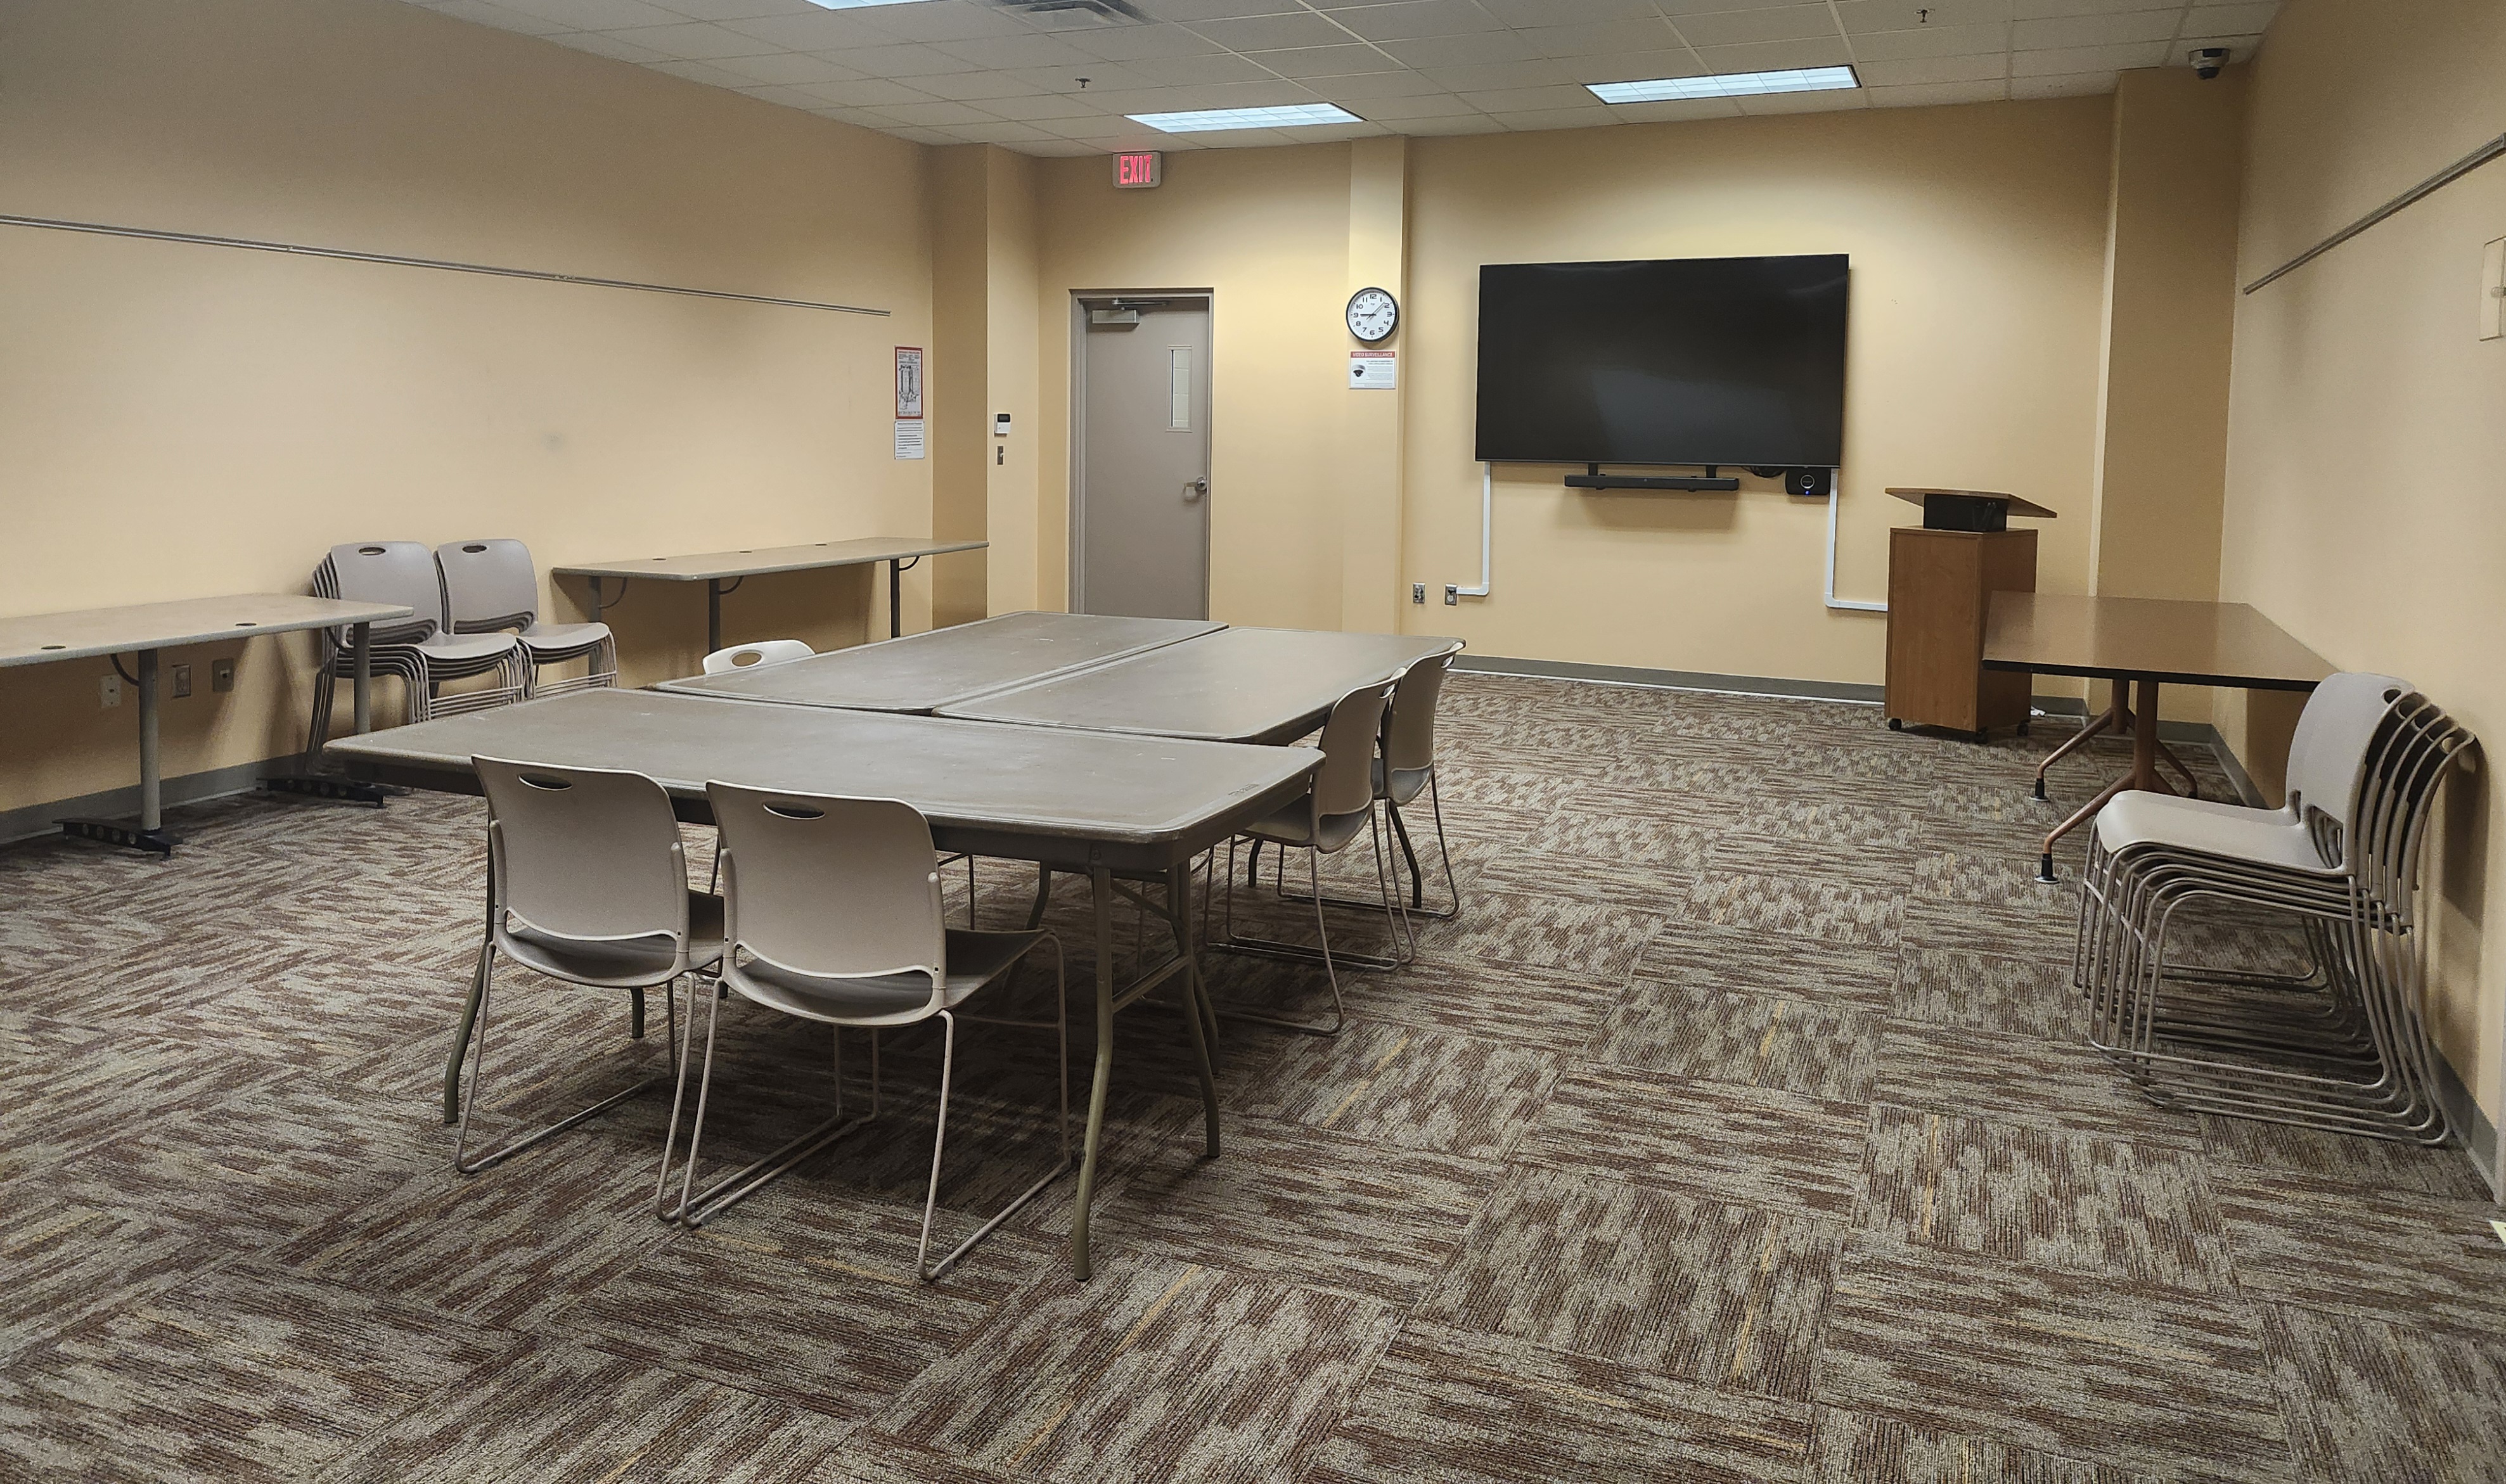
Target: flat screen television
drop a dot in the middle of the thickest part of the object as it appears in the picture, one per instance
(1673, 361)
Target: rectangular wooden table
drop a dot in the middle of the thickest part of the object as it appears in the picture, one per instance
(2139, 643)
(1238, 684)
(144, 629)
(714, 568)
(924, 672)
(1113, 806)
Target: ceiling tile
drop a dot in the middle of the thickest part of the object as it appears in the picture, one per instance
(1426, 105)
(1775, 56)
(1909, 15)
(1271, 33)
(1835, 101)
(972, 87)
(1323, 61)
(1651, 33)
(817, 31)
(1933, 71)
(1410, 19)
(857, 93)
(1680, 10)
(947, 21)
(736, 9)
(1377, 84)
(693, 42)
(1053, 148)
(1539, 72)
(1027, 50)
(1789, 22)
(1040, 106)
(1224, 67)
(1190, 10)
(1511, 100)
(1543, 13)
(2037, 10)
(1674, 111)
(712, 74)
(904, 60)
(1125, 44)
(1000, 133)
(1479, 48)
(936, 114)
(1528, 119)
(1102, 77)
(1930, 41)
(785, 67)
(1634, 66)
(2096, 30)
(1931, 95)
(926, 135)
(1459, 123)
(2058, 62)
(2065, 84)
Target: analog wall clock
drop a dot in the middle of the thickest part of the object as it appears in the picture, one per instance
(1372, 314)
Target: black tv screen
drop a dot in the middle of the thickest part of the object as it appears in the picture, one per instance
(1675, 361)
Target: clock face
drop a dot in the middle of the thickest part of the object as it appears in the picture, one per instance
(1372, 314)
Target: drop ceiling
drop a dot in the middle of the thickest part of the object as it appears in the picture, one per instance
(1009, 72)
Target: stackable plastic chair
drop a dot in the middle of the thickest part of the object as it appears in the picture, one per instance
(1405, 770)
(2343, 1046)
(748, 656)
(420, 649)
(588, 885)
(490, 587)
(1325, 821)
(833, 914)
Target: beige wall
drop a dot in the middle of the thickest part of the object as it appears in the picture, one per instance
(185, 420)
(2366, 503)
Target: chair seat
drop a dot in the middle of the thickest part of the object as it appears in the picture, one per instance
(1408, 782)
(623, 961)
(1292, 823)
(975, 960)
(2270, 838)
(464, 648)
(567, 638)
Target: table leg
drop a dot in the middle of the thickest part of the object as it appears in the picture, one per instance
(2106, 721)
(1043, 897)
(1194, 998)
(361, 644)
(895, 599)
(152, 811)
(713, 614)
(2144, 740)
(1100, 883)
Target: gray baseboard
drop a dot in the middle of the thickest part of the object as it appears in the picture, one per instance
(1672, 680)
(120, 803)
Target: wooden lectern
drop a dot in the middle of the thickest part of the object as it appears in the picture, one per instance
(1941, 580)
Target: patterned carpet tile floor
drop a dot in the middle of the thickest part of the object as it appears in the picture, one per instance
(1738, 1128)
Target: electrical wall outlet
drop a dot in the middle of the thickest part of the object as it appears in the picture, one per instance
(182, 681)
(1453, 596)
(109, 690)
(1417, 593)
(221, 675)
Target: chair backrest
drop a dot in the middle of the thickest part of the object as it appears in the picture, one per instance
(400, 572)
(835, 887)
(748, 656)
(589, 854)
(488, 584)
(2413, 753)
(1410, 733)
(1345, 784)
(2327, 755)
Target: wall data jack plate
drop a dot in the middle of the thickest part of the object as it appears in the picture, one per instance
(108, 690)
(221, 675)
(1417, 593)
(182, 681)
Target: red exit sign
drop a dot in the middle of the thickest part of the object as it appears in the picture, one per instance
(1139, 170)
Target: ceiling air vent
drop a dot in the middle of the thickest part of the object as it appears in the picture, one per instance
(1071, 14)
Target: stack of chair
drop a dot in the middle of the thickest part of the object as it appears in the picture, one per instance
(2343, 1045)
(422, 650)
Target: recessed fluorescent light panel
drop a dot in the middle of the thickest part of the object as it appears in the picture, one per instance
(1726, 85)
(1286, 116)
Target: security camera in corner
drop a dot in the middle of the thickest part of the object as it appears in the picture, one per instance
(2207, 61)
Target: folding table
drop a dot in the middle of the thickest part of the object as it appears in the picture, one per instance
(924, 672)
(714, 568)
(1132, 808)
(2140, 642)
(148, 628)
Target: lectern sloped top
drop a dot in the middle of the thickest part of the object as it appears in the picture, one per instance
(1918, 494)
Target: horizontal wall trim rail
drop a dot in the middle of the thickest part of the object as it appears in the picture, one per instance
(2428, 187)
(394, 260)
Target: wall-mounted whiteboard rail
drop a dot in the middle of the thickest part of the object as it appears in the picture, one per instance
(2456, 171)
(441, 264)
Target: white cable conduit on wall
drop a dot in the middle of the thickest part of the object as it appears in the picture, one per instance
(1487, 487)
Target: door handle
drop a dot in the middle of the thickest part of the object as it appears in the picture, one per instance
(1196, 488)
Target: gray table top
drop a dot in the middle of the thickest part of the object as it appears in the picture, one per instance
(982, 784)
(708, 566)
(42, 638)
(924, 672)
(1238, 684)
